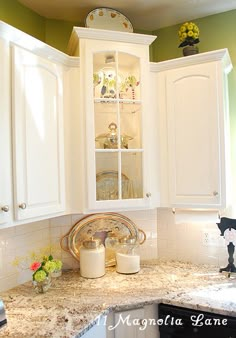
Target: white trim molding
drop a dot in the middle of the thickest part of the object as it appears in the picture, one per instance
(102, 34)
(218, 55)
(26, 41)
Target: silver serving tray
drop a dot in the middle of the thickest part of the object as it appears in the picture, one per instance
(98, 225)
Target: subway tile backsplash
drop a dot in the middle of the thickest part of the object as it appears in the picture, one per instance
(185, 242)
(165, 240)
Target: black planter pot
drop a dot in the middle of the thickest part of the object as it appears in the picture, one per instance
(190, 50)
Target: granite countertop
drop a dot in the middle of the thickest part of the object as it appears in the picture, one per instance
(73, 304)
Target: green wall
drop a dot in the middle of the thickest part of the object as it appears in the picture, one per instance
(54, 32)
(216, 31)
(13, 13)
(58, 33)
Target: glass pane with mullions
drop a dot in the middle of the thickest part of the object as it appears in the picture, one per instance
(128, 76)
(107, 187)
(105, 121)
(131, 164)
(130, 124)
(104, 75)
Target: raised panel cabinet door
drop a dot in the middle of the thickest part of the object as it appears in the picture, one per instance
(5, 135)
(129, 324)
(38, 135)
(194, 122)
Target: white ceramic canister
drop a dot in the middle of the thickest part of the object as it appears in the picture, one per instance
(92, 258)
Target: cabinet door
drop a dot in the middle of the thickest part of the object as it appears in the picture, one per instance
(38, 135)
(98, 330)
(195, 119)
(129, 324)
(117, 122)
(5, 135)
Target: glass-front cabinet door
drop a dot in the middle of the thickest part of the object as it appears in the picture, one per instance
(117, 126)
(115, 104)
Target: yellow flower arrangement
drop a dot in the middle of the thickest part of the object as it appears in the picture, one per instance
(188, 34)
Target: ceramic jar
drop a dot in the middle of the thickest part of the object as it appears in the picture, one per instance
(92, 258)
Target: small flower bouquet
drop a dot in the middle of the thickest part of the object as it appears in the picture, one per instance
(43, 272)
(188, 34)
(46, 267)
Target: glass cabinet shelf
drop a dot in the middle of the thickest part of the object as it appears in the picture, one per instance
(125, 106)
(108, 100)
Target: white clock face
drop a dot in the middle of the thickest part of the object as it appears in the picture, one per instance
(230, 236)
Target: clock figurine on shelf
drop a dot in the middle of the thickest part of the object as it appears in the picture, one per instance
(227, 227)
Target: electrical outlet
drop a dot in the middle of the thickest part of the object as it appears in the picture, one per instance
(205, 238)
(211, 238)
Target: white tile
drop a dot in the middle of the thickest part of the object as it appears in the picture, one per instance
(1, 261)
(60, 221)
(2, 243)
(24, 229)
(40, 225)
(46, 235)
(162, 247)
(8, 282)
(24, 276)
(70, 263)
(7, 233)
(76, 218)
(56, 232)
(65, 229)
(147, 224)
(9, 256)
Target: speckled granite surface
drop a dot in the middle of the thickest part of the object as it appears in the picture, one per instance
(73, 303)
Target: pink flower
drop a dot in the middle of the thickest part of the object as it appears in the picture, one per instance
(34, 266)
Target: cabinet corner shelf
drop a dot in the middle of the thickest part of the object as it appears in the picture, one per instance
(111, 100)
(125, 106)
(122, 150)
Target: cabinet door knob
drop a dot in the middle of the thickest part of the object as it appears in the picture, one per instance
(22, 206)
(215, 193)
(5, 208)
(148, 194)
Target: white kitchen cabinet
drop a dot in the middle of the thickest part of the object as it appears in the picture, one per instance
(194, 115)
(116, 120)
(38, 155)
(5, 135)
(98, 330)
(134, 323)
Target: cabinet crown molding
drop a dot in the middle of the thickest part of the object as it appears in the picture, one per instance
(17, 37)
(217, 55)
(102, 34)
